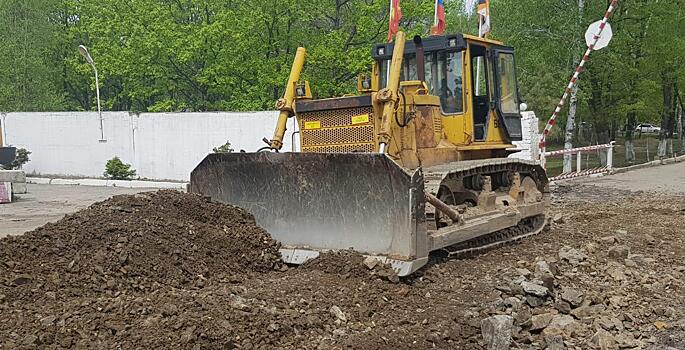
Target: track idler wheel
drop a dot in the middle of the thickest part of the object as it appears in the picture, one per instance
(474, 182)
(502, 179)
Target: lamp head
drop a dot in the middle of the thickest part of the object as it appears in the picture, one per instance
(84, 52)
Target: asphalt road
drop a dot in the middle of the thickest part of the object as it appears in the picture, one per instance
(667, 179)
(47, 203)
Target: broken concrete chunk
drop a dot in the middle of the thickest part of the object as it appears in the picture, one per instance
(534, 289)
(619, 252)
(496, 331)
(572, 255)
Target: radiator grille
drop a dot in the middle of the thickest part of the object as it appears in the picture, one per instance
(361, 147)
(337, 134)
(437, 124)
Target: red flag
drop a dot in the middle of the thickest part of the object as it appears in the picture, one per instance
(439, 27)
(395, 16)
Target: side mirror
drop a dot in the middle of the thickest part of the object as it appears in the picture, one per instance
(523, 107)
(364, 83)
(302, 90)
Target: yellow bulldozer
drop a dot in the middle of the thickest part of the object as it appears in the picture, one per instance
(415, 163)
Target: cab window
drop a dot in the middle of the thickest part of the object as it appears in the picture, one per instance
(444, 79)
(450, 86)
(443, 76)
(409, 68)
(508, 94)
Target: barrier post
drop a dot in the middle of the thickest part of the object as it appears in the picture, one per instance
(610, 156)
(579, 161)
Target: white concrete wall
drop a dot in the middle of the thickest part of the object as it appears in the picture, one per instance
(161, 146)
(531, 137)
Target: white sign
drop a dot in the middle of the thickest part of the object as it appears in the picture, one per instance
(603, 40)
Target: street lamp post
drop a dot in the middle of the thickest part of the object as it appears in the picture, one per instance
(84, 52)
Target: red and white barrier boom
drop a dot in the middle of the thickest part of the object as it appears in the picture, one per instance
(593, 43)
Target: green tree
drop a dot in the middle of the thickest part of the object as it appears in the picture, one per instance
(29, 73)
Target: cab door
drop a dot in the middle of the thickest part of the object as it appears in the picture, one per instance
(480, 88)
(506, 92)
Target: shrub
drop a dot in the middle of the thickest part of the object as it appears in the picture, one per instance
(225, 148)
(21, 159)
(115, 169)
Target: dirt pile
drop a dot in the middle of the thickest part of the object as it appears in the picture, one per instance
(166, 237)
(351, 264)
(120, 254)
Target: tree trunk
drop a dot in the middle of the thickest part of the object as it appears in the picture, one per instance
(573, 102)
(681, 124)
(667, 89)
(630, 128)
(570, 123)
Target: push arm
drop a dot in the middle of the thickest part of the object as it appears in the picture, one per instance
(285, 104)
(388, 95)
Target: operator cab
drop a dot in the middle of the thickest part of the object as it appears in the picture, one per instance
(461, 70)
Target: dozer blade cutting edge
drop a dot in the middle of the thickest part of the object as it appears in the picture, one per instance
(324, 201)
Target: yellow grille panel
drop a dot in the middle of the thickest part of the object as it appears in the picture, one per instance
(362, 147)
(349, 134)
(337, 133)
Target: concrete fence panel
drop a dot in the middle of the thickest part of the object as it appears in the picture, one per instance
(160, 146)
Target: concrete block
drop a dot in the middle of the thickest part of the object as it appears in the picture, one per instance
(64, 182)
(92, 182)
(5, 192)
(19, 188)
(38, 180)
(15, 176)
(158, 184)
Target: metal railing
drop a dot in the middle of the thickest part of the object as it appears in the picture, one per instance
(579, 172)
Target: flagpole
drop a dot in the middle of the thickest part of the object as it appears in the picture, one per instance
(435, 14)
(480, 27)
(389, 21)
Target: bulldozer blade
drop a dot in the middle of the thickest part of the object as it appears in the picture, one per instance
(314, 202)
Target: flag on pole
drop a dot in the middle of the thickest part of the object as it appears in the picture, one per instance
(439, 27)
(395, 16)
(483, 18)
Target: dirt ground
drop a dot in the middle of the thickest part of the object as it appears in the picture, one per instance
(149, 270)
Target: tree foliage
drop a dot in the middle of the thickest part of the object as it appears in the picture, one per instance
(202, 55)
(22, 157)
(115, 169)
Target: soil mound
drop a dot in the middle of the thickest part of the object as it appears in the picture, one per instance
(167, 237)
(350, 264)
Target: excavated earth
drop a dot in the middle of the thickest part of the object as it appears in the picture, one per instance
(172, 270)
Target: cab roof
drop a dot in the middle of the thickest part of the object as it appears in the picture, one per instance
(448, 42)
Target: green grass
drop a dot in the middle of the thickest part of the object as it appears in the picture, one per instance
(591, 158)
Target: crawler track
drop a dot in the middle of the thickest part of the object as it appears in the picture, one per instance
(453, 178)
(527, 227)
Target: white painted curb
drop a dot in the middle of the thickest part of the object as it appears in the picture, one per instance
(108, 183)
